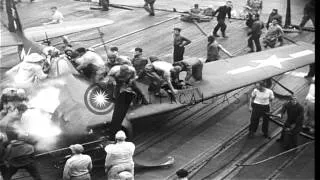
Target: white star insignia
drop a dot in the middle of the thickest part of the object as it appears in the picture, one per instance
(271, 61)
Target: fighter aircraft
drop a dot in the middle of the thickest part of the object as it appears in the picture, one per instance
(76, 106)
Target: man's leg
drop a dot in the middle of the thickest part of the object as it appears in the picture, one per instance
(216, 28)
(250, 44)
(280, 39)
(121, 107)
(146, 7)
(33, 171)
(254, 121)
(265, 123)
(257, 43)
(223, 28)
(152, 9)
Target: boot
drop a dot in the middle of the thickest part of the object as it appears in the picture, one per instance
(224, 35)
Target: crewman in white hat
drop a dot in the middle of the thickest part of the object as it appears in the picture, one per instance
(28, 71)
(119, 161)
(78, 166)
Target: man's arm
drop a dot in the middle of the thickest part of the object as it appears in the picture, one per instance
(66, 175)
(215, 12)
(90, 164)
(229, 13)
(251, 99)
(167, 78)
(185, 41)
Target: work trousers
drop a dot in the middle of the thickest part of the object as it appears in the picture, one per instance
(289, 137)
(178, 53)
(148, 6)
(121, 107)
(256, 39)
(31, 168)
(221, 25)
(306, 18)
(259, 111)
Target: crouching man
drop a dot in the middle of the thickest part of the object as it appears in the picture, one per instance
(159, 74)
(193, 67)
(119, 157)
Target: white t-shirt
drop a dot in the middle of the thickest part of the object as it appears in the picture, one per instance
(90, 57)
(119, 153)
(262, 98)
(57, 17)
(164, 67)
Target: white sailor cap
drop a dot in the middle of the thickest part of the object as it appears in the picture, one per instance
(121, 135)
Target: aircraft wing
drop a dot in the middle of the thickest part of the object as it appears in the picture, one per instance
(55, 30)
(8, 38)
(226, 75)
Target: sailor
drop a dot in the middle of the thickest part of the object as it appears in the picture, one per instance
(255, 5)
(78, 166)
(124, 89)
(195, 10)
(57, 16)
(222, 12)
(213, 49)
(182, 174)
(19, 154)
(139, 62)
(29, 71)
(193, 67)
(259, 106)
(148, 6)
(255, 33)
(274, 15)
(114, 59)
(309, 108)
(159, 74)
(90, 63)
(293, 124)
(122, 76)
(308, 13)
(179, 42)
(274, 32)
(119, 157)
(115, 50)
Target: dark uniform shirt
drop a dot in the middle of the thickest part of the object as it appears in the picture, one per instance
(178, 40)
(256, 28)
(277, 17)
(19, 153)
(223, 11)
(295, 113)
